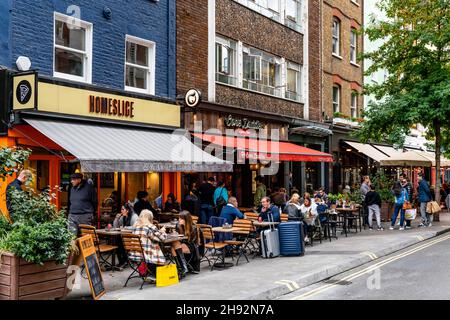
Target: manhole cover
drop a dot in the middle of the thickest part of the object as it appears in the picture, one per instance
(338, 282)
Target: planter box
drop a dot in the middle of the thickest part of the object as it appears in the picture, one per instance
(386, 211)
(21, 280)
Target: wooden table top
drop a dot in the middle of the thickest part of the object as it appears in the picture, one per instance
(265, 223)
(113, 232)
(227, 230)
(168, 225)
(347, 209)
(172, 238)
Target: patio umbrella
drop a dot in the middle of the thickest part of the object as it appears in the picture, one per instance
(407, 159)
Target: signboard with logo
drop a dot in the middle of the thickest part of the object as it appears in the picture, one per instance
(243, 123)
(24, 90)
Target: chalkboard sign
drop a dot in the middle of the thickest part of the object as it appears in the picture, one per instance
(89, 254)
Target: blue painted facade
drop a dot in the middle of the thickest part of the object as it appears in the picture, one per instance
(26, 28)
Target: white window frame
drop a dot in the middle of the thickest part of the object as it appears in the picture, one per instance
(233, 72)
(355, 2)
(353, 46)
(337, 37)
(87, 64)
(338, 102)
(354, 104)
(297, 68)
(151, 45)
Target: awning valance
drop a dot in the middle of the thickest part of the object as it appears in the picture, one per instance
(282, 151)
(117, 149)
(367, 149)
(407, 159)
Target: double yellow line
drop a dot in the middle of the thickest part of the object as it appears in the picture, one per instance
(369, 269)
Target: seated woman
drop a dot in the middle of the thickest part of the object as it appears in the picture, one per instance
(126, 218)
(190, 246)
(293, 208)
(151, 237)
(309, 211)
(171, 204)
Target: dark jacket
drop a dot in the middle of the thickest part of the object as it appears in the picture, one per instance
(16, 184)
(171, 206)
(141, 205)
(373, 197)
(82, 199)
(230, 213)
(206, 191)
(274, 211)
(424, 191)
(409, 189)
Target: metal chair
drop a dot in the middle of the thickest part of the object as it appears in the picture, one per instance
(104, 251)
(209, 235)
(242, 237)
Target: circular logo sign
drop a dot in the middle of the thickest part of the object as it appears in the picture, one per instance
(23, 92)
(192, 98)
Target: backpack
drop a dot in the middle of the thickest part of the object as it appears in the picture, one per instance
(220, 202)
(400, 200)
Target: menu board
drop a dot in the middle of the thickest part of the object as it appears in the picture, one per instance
(89, 254)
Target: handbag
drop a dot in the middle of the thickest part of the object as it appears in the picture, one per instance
(407, 205)
(410, 214)
(433, 207)
(166, 275)
(142, 269)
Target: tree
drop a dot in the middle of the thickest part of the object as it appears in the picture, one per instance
(416, 55)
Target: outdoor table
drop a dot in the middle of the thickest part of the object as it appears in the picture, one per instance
(226, 230)
(113, 234)
(345, 213)
(173, 238)
(168, 225)
(167, 216)
(264, 224)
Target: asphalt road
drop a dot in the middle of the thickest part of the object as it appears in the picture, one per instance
(418, 272)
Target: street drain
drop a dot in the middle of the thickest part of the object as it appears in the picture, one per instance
(338, 282)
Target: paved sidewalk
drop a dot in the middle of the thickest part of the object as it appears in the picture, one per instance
(272, 278)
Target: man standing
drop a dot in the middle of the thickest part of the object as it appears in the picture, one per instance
(23, 177)
(206, 191)
(373, 203)
(365, 188)
(424, 198)
(260, 191)
(409, 189)
(220, 197)
(231, 211)
(82, 202)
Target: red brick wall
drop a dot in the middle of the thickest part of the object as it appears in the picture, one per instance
(315, 73)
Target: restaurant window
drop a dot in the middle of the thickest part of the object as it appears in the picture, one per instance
(354, 105)
(262, 72)
(336, 36)
(353, 45)
(225, 61)
(72, 48)
(139, 65)
(336, 98)
(293, 87)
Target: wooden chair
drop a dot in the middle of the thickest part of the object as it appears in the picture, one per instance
(251, 215)
(133, 247)
(104, 251)
(243, 239)
(208, 235)
(284, 217)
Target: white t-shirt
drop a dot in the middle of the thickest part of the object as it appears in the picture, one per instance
(309, 213)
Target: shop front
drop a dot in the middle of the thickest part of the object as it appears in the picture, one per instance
(123, 143)
(257, 144)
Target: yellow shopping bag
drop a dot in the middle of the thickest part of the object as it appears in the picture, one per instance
(166, 275)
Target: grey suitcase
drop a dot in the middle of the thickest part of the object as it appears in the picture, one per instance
(270, 242)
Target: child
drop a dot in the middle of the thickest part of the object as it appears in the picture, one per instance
(373, 201)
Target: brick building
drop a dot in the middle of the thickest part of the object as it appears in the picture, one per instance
(342, 84)
(255, 62)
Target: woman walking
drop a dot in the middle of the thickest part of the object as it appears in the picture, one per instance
(400, 197)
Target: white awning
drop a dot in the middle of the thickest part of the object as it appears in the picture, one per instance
(390, 151)
(407, 159)
(118, 149)
(367, 149)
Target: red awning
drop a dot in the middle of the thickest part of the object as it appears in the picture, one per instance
(265, 148)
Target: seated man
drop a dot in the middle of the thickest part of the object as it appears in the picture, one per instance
(230, 211)
(269, 209)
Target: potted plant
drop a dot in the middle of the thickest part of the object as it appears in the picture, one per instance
(35, 246)
(383, 185)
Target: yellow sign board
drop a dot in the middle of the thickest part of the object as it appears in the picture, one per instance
(24, 94)
(88, 103)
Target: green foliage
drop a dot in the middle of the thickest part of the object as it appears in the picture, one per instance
(383, 185)
(356, 196)
(5, 226)
(10, 159)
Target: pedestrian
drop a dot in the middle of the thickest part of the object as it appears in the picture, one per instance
(267, 209)
(206, 191)
(231, 211)
(82, 202)
(409, 191)
(400, 197)
(424, 197)
(373, 202)
(220, 197)
(261, 191)
(23, 177)
(364, 189)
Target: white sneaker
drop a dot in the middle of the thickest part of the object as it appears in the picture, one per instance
(391, 228)
(430, 225)
(401, 229)
(407, 227)
(380, 229)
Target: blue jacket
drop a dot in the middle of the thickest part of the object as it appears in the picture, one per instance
(220, 191)
(275, 212)
(230, 213)
(424, 191)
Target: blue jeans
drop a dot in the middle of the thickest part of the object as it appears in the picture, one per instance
(397, 208)
(206, 212)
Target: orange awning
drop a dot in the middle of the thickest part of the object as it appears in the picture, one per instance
(266, 149)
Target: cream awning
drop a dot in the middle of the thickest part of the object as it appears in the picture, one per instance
(407, 159)
(118, 149)
(367, 149)
(432, 157)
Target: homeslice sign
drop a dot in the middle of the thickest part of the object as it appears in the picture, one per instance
(110, 106)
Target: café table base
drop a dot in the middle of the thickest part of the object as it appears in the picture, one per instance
(223, 265)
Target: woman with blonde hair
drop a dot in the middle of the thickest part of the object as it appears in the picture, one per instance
(293, 208)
